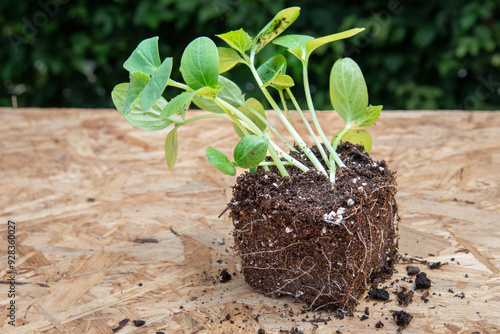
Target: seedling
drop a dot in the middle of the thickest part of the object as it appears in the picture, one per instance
(141, 102)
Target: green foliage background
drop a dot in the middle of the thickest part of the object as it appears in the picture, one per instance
(414, 54)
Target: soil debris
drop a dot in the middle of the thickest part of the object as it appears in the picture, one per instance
(224, 276)
(421, 281)
(402, 318)
(380, 294)
(412, 270)
(139, 323)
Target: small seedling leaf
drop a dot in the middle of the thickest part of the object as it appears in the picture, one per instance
(296, 44)
(250, 151)
(138, 81)
(142, 119)
(156, 84)
(228, 58)
(369, 118)
(274, 28)
(145, 58)
(282, 81)
(317, 42)
(237, 39)
(178, 104)
(358, 137)
(220, 161)
(171, 148)
(271, 68)
(348, 92)
(200, 64)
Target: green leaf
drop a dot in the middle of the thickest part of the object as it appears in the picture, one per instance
(228, 58)
(142, 119)
(220, 161)
(205, 103)
(251, 114)
(274, 28)
(200, 63)
(171, 148)
(250, 151)
(372, 113)
(230, 92)
(272, 68)
(138, 81)
(156, 85)
(296, 44)
(178, 104)
(316, 43)
(282, 81)
(145, 58)
(237, 39)
(348, 92)
(358, 137)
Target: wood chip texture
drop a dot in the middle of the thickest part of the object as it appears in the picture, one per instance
(106, 233)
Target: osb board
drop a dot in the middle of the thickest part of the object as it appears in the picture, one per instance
(84, 187)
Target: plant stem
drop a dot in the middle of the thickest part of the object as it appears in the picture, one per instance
(310, 105)
(271, 127)
(251, 125)
(308, 126)
(303, 146)
(275, 156)
(180, 85)
(336, 141)
(283, 102)
(180, 121)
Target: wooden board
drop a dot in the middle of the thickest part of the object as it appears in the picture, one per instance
(105, 232)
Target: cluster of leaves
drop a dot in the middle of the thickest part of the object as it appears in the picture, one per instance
(141, 102)
(422, 55)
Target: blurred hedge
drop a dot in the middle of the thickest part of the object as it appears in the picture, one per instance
(415, 54)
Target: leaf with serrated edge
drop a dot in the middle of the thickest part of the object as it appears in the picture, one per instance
(171, 148)
(348, 92)
(296, 44)
(142, 119)
(145, 58)
(220, 161)
(228, 58)
(271, 68)
(369, 118)
(200, 63)
(250, 151)
(237, 39)
(178, 104)
(317, 42)
(275, 27)
(138, 81)
(156, 85)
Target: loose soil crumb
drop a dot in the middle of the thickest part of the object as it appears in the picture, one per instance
(412, 270)
(402, 318)
(421, 281)
(301, 236)
(224, 276)
(380, 294)
(405, 297)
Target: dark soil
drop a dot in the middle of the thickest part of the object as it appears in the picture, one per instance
(421, 281)
(402, 318)
(321, 244)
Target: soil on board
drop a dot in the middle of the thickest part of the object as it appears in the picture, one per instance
(322, 244)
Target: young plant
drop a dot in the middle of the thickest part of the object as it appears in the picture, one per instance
(141, 102)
